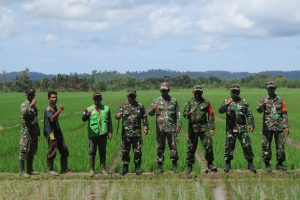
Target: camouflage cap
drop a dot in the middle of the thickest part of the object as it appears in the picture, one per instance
(164, 86)
(235, 87)
(271, 84)
(198, 88)
(131, 91)
(30, 91)
(97, 94)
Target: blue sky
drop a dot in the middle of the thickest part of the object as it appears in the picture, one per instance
(63, 36)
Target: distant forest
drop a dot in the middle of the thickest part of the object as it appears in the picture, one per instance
(113, 80)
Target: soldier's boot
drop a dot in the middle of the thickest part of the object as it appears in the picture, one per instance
(102, 169)
(227, 166)
(29, 167)
(174, 167)
(92, 167)
(138, 170)
(280, 166)
(189, 169)
(160, 168)
(50, 168)
(125, 169)
(23, 173)
(211, 166)
(251, 166)
(64, 165)
(268, 167)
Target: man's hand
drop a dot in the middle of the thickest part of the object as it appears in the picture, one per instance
(212, 133)
(33, 102)
(177, 130)
(265, 101)
(229, 101)
(154, 107)
(250, 129)
(192, 110)
(118, 115)
(89, 112)
(286, 131)
(109, 136)
(61, 108)
(145, 131)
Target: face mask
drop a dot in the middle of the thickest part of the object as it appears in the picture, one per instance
(235, 94)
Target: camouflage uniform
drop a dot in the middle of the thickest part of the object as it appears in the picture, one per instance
(200, 122)
(275, 119)
(238, 117)
(133, 115)
(167, 120)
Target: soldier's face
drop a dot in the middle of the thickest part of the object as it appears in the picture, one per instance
(198, 94)
(131, 98)
(235, 93)
(30, 96)
(53, 98)
(271, 91)
(164, 92)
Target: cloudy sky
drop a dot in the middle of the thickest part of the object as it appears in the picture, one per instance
(62, 36)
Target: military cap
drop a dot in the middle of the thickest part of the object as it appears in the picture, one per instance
(271, 84)
(30, 91)
(97, 94)
(164, 86)
(198, 88)
(235, 87)
(131, 91)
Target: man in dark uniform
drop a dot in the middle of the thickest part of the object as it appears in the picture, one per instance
(275, 123)
(54, 135)
(168, 125)
(30, 131)
(99, 129)
(201, 125)
(133, 114)
(239, 123)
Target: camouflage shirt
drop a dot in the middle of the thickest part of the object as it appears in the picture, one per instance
(167, 114)
(133, 115)
(29, 118)
(203, 118)
(238, 114)
(275, 114)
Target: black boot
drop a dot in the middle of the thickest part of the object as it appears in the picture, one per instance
(189, 169)
(64, 165)
(251, 166)
(29, 167)
(50, 168)
(174, 167)
(280, 166)
(138, 170)
(125, 169)
(23, 173)
(211, 166)
(160, 168)
(92, 167)
(227, 166)
(268, 167)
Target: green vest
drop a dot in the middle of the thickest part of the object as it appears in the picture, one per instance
(98, 121)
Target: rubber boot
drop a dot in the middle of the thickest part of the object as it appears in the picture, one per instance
(189, 169)
(29, 167)
(138, 170)
(268, 167)
(102, 169)
(174, 167)
(160, 168)
(92, 167)
(227, 166)
(64, 165)
(125, 169)
(50, 168)
(251, 166)
(280, 166)
(23, 173)
(211, 166)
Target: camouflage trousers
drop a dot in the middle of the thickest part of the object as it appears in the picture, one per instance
(101, 142)
(193, 143)
(267, 143)
(136, 143)
(28, 146)
(245, 141)
(161, 144)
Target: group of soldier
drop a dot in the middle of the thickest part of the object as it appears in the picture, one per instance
(132, 114)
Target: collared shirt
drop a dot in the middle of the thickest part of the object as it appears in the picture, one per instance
(51, 128)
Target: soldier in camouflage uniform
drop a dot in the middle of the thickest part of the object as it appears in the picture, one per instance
(238, 118)
(168, 125)
(30, 132)
(275, 123)
(133, 114)
(201, 125)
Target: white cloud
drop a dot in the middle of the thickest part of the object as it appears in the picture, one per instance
(209, 44)
(7, 24)
(49, 38)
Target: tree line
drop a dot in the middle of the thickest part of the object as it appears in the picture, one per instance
(114, 81)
